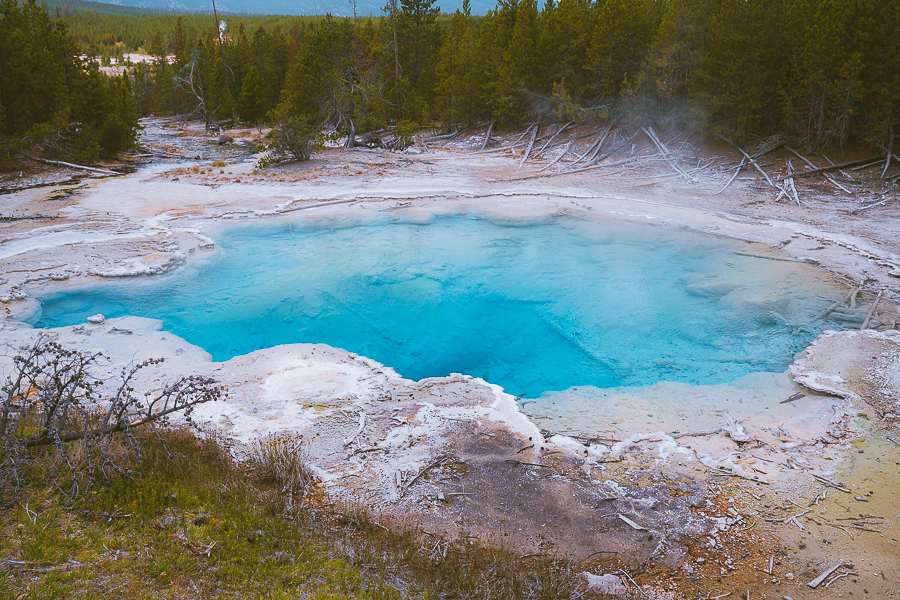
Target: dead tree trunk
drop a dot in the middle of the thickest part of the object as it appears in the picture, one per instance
(665, 152)
(811, 165)
(487, 137)
(758, 168)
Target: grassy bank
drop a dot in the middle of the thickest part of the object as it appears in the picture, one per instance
(192, 522)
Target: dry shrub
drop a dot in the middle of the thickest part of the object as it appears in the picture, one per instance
(281, 460)
(52, 405)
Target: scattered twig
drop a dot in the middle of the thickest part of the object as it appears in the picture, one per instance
(696, 433)
(818, 580)
(872, 205)
(530, 464)
(359, 430)
(796, 396)
(631, 523)
(425, 470)
(831, 483)
(840, 575)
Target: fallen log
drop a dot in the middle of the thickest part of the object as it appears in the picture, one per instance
(599, 145)
(596, 145)
(552, 137)
(890, 147)
(59, 163)
(615, 148)
(811, 165)
(767, 149)
(872, 310)
(530, 146)
(511, 146)
(447, 136)
(844, 173)
(585, 153)
(733, 177)
(487, 136)
(790, 183)
(665, 152)
(864, 167)
(840, 166)
(874, 204)
(757, 167)
(555, 160)
(590, 168)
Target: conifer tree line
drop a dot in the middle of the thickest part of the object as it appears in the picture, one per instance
(825, 72)
(50, 99)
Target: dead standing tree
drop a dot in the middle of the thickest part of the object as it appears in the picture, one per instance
(189, 82)
(52, 404)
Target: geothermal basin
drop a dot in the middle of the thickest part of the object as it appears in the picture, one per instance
(537, 306)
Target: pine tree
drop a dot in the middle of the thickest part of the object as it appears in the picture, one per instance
(253, 104)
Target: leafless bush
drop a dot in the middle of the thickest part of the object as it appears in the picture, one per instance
(52, 406)
(281, 460)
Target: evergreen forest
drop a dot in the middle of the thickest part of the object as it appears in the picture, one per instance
(824, 72)
(53, 101)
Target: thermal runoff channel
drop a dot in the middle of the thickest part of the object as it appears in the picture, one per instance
(540, 307)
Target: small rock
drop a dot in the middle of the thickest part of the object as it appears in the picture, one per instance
(96, 319)
(224, 139)
(735, 430)
(608, 585)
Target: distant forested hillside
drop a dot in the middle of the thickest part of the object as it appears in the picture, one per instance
(341, 8)
(70, 7)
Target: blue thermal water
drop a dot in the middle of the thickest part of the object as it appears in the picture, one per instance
(558, 303)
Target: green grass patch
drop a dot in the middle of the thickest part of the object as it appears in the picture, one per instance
(191, 522)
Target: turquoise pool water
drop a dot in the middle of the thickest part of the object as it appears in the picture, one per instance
(542, 307)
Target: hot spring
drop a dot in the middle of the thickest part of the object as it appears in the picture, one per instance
(535, 307)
